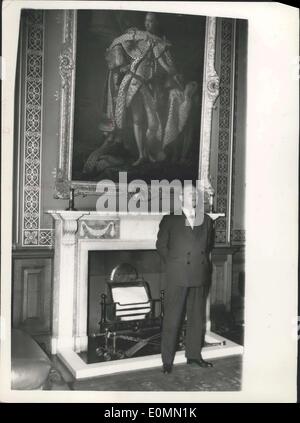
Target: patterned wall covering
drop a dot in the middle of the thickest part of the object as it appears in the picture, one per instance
(32, 234)
(238, 236)
(226, 135)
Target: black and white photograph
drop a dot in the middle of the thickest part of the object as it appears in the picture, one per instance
(148, 283)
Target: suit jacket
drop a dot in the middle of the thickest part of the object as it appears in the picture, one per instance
(185, 251)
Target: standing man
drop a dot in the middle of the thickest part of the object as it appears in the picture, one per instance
(184, 242)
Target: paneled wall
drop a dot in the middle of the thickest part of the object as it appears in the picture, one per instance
(32, 290)
(37, 128)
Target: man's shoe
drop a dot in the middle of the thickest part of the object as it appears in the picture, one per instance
(200, 362)
(167, 368)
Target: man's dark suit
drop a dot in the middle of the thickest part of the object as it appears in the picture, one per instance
(185, 252)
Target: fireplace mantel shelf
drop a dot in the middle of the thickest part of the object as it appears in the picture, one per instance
(94, 213)
(78, 214)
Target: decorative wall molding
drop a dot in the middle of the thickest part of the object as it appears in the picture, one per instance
(70, 228)
(32, 294)
(225, 132)
(66, 65)
(32, 233)
(222, 280)
(95, 229)
(209, 96)
(31, 291)
(38, 238)
(238, 236)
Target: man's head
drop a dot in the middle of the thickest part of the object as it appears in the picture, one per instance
(189, 195)
(192, 198)
(151, 23)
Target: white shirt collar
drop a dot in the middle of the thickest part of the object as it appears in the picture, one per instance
(190, 215)
(189, 212)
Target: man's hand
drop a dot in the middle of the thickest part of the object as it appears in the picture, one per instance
(163, 238)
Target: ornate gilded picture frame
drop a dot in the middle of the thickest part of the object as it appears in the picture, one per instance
(84, 133)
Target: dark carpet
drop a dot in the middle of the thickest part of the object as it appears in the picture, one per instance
(224, 376)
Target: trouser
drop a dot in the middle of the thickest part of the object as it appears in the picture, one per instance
(177, 300)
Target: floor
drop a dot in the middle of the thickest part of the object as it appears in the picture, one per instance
(224, 376)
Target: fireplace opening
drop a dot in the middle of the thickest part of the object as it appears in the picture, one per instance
(137, 337)
(101, 265)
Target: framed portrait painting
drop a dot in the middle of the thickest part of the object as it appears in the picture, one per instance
(136, 96)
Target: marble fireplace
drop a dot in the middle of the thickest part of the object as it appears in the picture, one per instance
(76, 234)
(105, 263)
